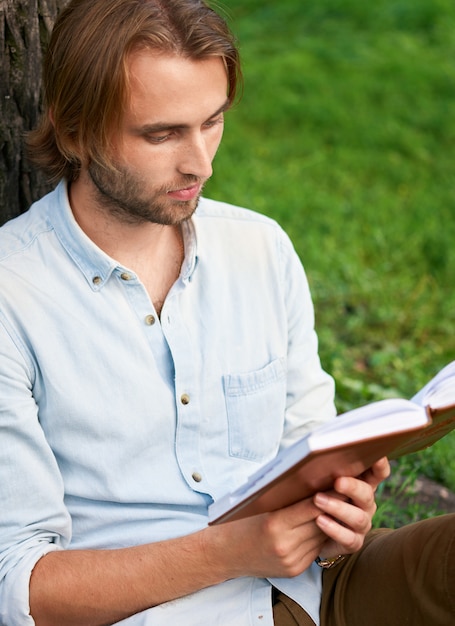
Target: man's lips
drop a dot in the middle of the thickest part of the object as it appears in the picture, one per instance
(188, 193)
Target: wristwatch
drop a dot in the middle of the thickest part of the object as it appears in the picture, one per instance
(331, 562)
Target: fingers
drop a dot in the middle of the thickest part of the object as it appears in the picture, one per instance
(358, 492)
(346, 515)
(378, 472)
(280, 544)
(339, 539)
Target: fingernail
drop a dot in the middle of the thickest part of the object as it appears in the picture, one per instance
(321, 498)
(323, 521)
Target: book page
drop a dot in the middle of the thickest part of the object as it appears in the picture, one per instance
(440, 391)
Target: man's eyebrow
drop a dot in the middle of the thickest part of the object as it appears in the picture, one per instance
(161, 126)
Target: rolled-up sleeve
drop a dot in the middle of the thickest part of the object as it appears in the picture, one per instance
(33, 517)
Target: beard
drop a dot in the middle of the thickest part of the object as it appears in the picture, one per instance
(121, 192)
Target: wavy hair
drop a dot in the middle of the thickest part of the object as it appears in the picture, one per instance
(85, 71)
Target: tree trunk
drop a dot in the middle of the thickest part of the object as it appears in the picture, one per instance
(25, 26)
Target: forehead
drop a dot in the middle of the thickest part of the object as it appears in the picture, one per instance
(171, 88)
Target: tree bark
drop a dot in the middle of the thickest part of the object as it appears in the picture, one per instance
(25, 27)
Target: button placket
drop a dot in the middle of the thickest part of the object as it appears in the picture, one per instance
(186, 394)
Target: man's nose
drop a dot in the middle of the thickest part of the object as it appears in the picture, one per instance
(197, 157)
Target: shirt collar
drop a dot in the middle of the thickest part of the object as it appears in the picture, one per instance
(94, 263)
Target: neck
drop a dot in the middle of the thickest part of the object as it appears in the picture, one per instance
(154, 252)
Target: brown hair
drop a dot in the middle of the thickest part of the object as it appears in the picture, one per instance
(85, 72)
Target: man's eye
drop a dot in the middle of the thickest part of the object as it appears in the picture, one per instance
(157, 138)
(214, 122)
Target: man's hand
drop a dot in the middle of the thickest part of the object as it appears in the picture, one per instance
(284, 543)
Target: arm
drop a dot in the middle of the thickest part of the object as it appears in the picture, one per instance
(91, 588)
(96, 587)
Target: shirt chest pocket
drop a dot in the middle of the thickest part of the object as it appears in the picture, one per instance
(255, 405)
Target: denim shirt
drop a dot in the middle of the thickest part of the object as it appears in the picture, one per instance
(119, 427)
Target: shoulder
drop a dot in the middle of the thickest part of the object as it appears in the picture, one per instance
(243, 237)
(19, 233)
(225, 220)
(223, 211)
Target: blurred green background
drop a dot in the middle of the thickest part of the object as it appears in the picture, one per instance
(346, 135)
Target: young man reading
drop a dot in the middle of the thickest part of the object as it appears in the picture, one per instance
(157, 347)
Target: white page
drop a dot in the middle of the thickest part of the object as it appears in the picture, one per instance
(440, 391)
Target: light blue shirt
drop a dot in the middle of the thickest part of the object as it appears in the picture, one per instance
(120, 428)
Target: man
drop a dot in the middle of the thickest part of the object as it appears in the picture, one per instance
(152, 356)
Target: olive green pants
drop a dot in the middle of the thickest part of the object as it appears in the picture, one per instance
(403, 577)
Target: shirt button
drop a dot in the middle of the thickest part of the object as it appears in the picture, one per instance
(196, 477)
(185, 398)
(96, 280)
(150, 320)
(125, 276)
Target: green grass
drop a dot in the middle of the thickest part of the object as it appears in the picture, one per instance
(346, 135)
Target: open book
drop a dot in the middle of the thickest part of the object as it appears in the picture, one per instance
(345, 446)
